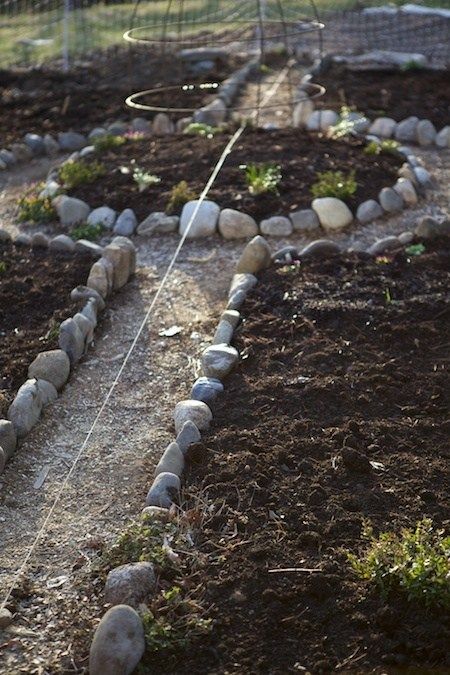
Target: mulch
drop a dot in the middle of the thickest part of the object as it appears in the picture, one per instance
(424, 93)
(34, 299)
(334, 373)
(192, 158)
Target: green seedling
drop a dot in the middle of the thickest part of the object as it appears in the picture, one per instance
(77, 172)
(334, 184)
(262, 178)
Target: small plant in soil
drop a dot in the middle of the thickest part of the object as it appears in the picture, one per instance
(144, 179)
(36, 209)
(78, 172)
(201, 129)
(344, 127)
(86, 231)
(334, 184)
(179, 196)
(108, 142)
(388, 146)
(2, 267)
(414, 562)
(411, 65)
(261, 178)
(415, 249)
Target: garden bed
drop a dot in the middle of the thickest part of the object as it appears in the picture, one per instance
(35, 291)
(420, 92)
(191, 158)
(336, 416)
(48, 101)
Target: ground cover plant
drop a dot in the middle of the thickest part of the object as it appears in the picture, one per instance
(334, 419)
(259, 190)
(34, 298)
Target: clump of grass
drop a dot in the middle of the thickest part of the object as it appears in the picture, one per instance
(414, 562)
(261, 178)
(179, 196)
(334, 184)
(78, 172)
(36, 209)
(388, 146)
(201, 129)
(87, 231)
(108, 142)
(144, 179)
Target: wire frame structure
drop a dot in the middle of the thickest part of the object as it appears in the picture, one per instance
(267, 33)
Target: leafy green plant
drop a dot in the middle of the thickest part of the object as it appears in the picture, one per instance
(144, 179)
(201, 129)
(77, 172)
(411, 65)
(345, 126)
(86, 231)
(388, 145)
(415, 249)
(108, 142)
(261, 178)
(415, 562)
(3, 267)
(179, 196)
(36, 209)
(334, 184)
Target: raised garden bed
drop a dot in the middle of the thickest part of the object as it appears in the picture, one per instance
(420, 92)
(35, 291)
(336, 416)
(191, 158)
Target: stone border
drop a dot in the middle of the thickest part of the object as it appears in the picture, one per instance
(50, 370)
(128, 585)
(214, 114)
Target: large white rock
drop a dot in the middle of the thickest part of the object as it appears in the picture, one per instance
(53, 366)
(333, 214)
(234, 224)
(276, 226)
(104, 215)
(255, 257)
(130, 584)
(71, 210)
(118, 644)
(195, 411)
(219, 360)
(383, 127)
(204, 222)
(406, 190)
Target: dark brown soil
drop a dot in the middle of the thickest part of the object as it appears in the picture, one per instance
(192, 158)
(49, 101)
(284, 489)
(34, 299)
(424, 93)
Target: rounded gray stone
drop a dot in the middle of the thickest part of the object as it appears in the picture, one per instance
(204, 223)
(8, 438)
(118, 644)
(70, 210)
(172, 460)
(236, 300)
(424, 177)
(224, 333)
(5, 237)
(126, 223)
(71, 340)
(255, 257)
(164, 490)
(130, 584)
(70, 141)
(429, 228)
(62, 243)
(333, 213)
(406, 130)
(277, 226)
(195, 411)
(383, 127)
(162, 125)
(442, 139)
(158, 222)
(382, 245)
(426, 133)
(406, 237)
(234, 224)
(219, 360)
(103, 215)
(84, 293)
(25, 411)
(5, 617)
(188, 435)
(242, 281)
(406, 190)
(390, 200)
(320, 248)
(368, 211)
(53, 366)
(206, 389)
(304, 220)
(39, 240)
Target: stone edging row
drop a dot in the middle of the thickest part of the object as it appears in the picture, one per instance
(127, 585)
(50, 370)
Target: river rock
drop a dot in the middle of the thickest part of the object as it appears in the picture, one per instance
(255, 257)
(97, 132)
(236, 300)
(86, 247)
(236, 225)
(442, 139)
(162, 125)
(22, 239)
(70, 210)
(84, 293)
(8, 438)
(223, 334)
(322, 120)
(127, 245)
(172, 461)
(156, 513)
(130, 584)
(35, 143)
(277, 226)
(39, 240)
(118, 644)
(164, 490)
(5, 237)
(188, 435)
(382, 245)
(7, 157)
(424, 177)
(25, 410)
(5, 617)
(70, 141)
(117, 128)
(406, 237)
(406, 130)
(22, 152)
(103, 215)
(51, 189)
(219, 360)
(406, 190)
(390, 200)
(304, 220)
(158, 222)
(333, 214)
(195, 411)
(62, 243)
(53, 366)
(98, 279)
(242, 282)
(71, 340)
(213, 114)
(231, 316)
(206, 389)
(320, 248)
(425, 133)
(141, 125)
(119, 258)
(51, 146)
(86, 327)
(368, 211)
(126, 223)
(205, 221)
(383, 127)
(429, 228)
(302, 112)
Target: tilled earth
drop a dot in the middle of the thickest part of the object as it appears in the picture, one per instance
(343, 364)
(34, 298)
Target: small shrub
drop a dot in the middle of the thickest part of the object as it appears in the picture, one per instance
(108, 142)
(86, 231)
(36, 209)
(414, 562)
(201, 129)
(77, 172)
(261, 178)
(388, 146)
(144, 179)
(334, 184)
(179, 196)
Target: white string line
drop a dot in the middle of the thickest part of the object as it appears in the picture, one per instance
(162, 285)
